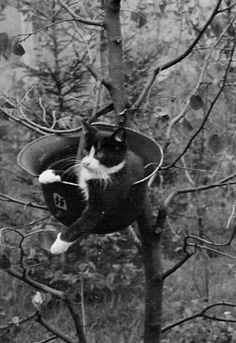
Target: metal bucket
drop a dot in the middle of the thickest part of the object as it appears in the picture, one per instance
(65, 201)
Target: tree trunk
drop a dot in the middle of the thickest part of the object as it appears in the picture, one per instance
(151, 239)
(115, 55)
(151, 243)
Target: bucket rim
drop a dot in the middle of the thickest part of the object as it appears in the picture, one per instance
(94, 124)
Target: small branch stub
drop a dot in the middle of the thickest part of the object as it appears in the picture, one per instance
(117, 40)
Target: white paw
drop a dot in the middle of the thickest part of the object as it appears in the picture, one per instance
(60, 246)
(49, 176)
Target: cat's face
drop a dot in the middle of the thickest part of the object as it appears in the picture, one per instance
(103, 150)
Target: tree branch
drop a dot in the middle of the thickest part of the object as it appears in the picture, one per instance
(76, 320)
(195, 190)
(35, 284)
(21, 202)
(177, 59)
(201, 313)
(59, 334)
(199, 81)
(207, 114)
(78, 18)
(177, 265)
(21, 321)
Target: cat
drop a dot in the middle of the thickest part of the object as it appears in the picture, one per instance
(105, 174)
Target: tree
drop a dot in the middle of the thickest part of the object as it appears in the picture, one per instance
(186, 128)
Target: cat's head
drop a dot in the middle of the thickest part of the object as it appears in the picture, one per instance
(103, 150)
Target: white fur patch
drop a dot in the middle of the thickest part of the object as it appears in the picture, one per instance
(92, 169)
(60, 246)
(48, 176)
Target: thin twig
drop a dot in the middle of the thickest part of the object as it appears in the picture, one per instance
(78, 18)
(195, 190)
(47, 326)
(207, 114)
(49, 339)
(201, 313)
(177, 59)
(177, 265)
(76, 319)
(36, 284)
(4, 197)
(20, 321)
(185, 108)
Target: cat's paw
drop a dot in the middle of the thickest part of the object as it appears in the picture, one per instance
(49, 176)
(60, 246)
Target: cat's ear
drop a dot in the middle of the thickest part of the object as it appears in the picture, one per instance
(120, 135)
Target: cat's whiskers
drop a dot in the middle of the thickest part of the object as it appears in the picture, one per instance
(73, 169)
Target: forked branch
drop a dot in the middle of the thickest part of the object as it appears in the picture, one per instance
(176, 60)
(203, 314)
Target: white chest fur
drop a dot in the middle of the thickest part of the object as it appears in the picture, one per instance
(91, 169)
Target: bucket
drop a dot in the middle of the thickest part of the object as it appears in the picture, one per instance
(65, 201)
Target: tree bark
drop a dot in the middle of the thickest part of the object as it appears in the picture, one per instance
(115, 55)
(151, 239)
(151, 234)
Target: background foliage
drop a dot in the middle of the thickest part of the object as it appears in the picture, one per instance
(105, 274)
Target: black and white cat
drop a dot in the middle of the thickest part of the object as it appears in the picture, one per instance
(105, 175)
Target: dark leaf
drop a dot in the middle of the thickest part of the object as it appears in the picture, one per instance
(7, 104)
(140, 18)
(216, 27)
(187, 125)
(3, 131)
(4, 262)
(216, 143)
(162, 6)
(4, 43)
(196, 102)
(18, 49)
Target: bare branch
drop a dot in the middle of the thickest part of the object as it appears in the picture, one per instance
(185, 108)
(97, 77)
(212, 250)
(35, 284)
(19, 120)
(205, 241)
(201, 313)
(27, 35)
(177, 59)
(195, 190)
(207, 114)
(78, 18)
(76, 320)
(21, 321)
(49, 339)
(59, 334)
(4, 197)
(177, 265)
(227, 8)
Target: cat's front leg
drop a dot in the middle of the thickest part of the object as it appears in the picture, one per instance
(78, 230)
(49, 176)
(60, 246)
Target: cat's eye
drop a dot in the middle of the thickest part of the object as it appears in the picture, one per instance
(117, 148)
(99, 155)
